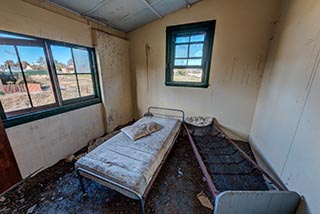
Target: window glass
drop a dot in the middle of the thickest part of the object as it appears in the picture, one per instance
(35, 69)
(13, 93)
(81, 59)
(182, 39)
(85, 84)
(67, 78)
(196, 50)
(181, 51)
(82, 62)
(195, 62)
(197, 38)
(62, 59)
(180, 62)
(68, 86)
(187, 75)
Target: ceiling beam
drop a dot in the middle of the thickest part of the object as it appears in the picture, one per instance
(151, 8)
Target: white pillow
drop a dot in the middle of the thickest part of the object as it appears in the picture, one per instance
(139, 130)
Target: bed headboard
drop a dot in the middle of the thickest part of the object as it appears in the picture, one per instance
(170, 112)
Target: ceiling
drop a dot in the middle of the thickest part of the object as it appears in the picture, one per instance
(125, 15)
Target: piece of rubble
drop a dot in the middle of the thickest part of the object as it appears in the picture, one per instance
(204, 200)
(180, 173)
(2, 198)
(69, 158)
(5, 209)
(80, 156)
(31, 209)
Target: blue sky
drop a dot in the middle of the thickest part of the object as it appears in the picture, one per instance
(61, 54)
(32, 54)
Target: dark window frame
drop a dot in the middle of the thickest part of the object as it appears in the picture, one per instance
(14, 118)
(188, 29)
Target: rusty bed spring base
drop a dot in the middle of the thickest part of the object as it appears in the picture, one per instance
(213, 190)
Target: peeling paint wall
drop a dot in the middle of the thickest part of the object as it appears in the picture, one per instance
(285, 131)
(113, 54)
(243, 32)
(43, 142)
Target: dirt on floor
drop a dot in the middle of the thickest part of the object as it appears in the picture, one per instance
(57, 190)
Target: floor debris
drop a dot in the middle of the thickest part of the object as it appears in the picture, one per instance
(56, 190)
(69, 158)
(204, 200)
(180, 173)
(31, 209)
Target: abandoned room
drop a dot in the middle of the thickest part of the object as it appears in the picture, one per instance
(159, 106)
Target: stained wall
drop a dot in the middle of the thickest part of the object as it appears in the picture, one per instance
(113, 54)
(242, 37)
(285, 131)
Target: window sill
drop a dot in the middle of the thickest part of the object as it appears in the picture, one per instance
(187, 84)
(29, 117)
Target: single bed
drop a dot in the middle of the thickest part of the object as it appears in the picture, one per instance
(127, 166)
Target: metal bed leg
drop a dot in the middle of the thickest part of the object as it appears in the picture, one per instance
(141, 202)
(81, 183)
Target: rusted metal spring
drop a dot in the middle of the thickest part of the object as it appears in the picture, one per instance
(244, 154)
(203, 168)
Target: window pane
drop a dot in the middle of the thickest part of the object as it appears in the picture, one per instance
(196, 50)
(180, 62)
(85, 84)
(197, 38)
(195, 62)
(182, 39)
(68, 86)
(62, 59)
(187, 75)
(13, 93)
(181, 51)
(36, 72)
(81, 59)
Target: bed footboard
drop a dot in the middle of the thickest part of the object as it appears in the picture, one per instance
(264, 202)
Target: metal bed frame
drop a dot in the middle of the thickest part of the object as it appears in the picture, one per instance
(121, 188)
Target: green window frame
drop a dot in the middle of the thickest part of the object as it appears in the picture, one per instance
(188, 54)
(84, 70)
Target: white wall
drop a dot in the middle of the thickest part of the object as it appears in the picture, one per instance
(286, 124)
(43, 142)
(242, 36)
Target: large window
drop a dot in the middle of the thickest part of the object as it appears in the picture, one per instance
(189, 50)
(41, 77)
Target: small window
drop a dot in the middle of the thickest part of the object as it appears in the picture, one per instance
(189, 50)
(40, 78)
